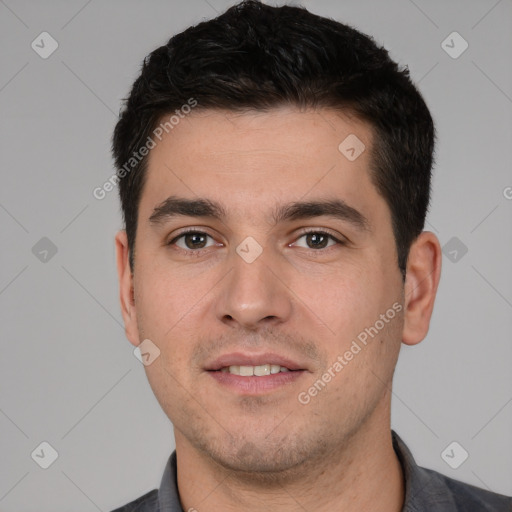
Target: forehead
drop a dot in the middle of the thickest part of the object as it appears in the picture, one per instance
(250, 161)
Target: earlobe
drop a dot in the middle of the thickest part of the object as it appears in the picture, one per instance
(126, 288)
(422, 280)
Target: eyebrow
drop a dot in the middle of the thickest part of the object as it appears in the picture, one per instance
(175, 206)
(336, 208)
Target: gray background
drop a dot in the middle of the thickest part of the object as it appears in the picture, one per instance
(69, 377)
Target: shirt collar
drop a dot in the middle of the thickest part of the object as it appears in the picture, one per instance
(168, 495)
(424, 489)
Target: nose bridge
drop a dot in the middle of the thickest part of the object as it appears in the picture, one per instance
(253, 294)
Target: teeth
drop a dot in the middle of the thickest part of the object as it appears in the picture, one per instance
(258, 371)
(262, 370)
(246, 371)
(235, 370)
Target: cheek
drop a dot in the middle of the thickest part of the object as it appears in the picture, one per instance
(164, 300)
(168, 313)
(167, 384)
(341, 303)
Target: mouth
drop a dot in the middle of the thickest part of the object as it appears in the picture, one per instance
(256, 371)
(248, 374)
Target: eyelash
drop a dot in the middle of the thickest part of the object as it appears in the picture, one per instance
(303, 233)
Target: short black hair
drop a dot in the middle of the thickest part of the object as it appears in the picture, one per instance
(258, 57)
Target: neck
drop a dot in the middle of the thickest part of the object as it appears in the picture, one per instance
(364, 474)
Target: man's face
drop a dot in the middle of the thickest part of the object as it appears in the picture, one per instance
(211, 299)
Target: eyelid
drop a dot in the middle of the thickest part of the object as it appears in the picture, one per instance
(195, 230)
(335, 236)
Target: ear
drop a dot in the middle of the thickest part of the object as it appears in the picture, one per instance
(422, 279)
(126, 292)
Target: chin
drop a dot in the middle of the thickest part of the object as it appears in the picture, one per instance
(266, 461)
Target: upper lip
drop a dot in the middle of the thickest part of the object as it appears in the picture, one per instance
(241, 359)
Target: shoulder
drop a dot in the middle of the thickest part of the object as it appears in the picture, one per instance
(427, 489)
(163, 499)
(146, 503)
(469, 498)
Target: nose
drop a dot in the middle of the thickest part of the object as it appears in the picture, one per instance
(255, 294)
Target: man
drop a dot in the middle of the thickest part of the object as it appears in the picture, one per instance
(274, 173)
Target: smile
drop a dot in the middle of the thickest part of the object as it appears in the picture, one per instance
(258, 371)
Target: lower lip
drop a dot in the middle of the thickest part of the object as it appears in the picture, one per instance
(254, 385)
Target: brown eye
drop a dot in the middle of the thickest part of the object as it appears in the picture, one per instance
(318, 240)
(191, 240)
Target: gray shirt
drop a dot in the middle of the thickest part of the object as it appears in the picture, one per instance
(425, 491)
